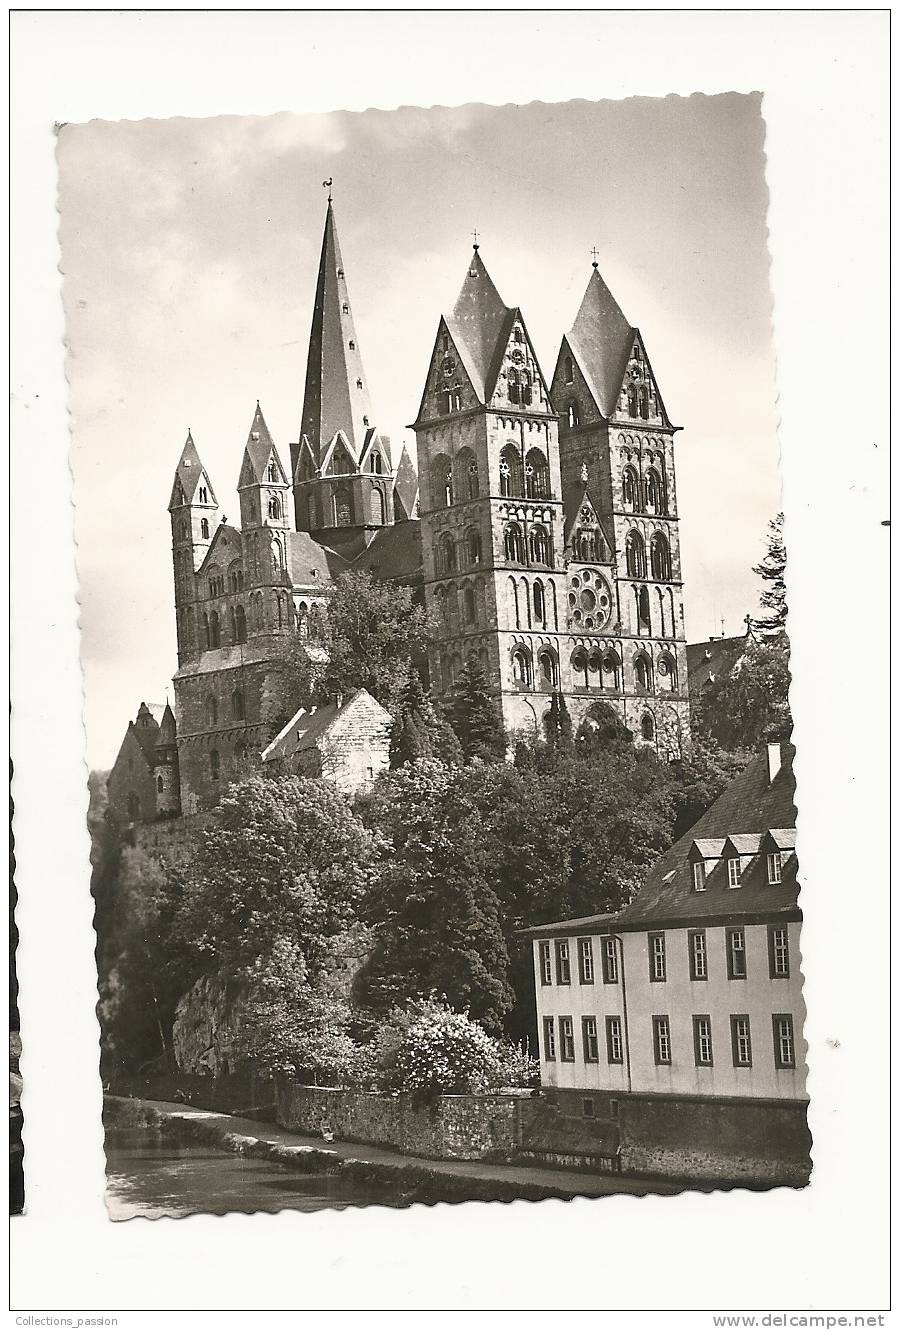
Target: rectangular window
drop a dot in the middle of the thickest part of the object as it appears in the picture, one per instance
(783, 1036)
(566, 1039)
(549, 1040)
(656, 945)
(662, 1043)
(614, 1049)
(610, 961)
(546, 963)
(774, 865)
(563, 968)
(734, 872)
(703, 1049)
(589, 1036)
(586, 960)
(735, 953)
(741, 1051)
(700, 876)
(779, 958)
(697, 953)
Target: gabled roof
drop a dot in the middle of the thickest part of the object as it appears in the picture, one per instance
(480, 326)
(706, 847)
(376, 443)
(224, 531)
(340, 441)
(188, 474)
(167, 729)
(406, 487)
(743, 844)
(332, 399)
(714, 659)
(260, 447)
(783, 838)
(600, 340)
(394, 554)
(305, 728)
(573, 502)
(311, 563)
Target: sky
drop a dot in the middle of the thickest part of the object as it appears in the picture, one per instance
(189, 252)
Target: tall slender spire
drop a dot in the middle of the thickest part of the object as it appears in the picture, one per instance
(337, 394)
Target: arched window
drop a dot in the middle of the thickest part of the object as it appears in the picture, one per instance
(214, 764)
(643, 608)
(644, 399)
(237, 705)
(512, 386)
(587, 546)
(301, 613)
(526, 388)
(573, 415)
(518, 335)
(655, 492)
(537, 475)
(539, 544)
(635, 555)
(446, 553)
(202, 495)
(469, 605)
(512, 600)
(240, 624)
(376, 507)
(539, 602)
(274, 506)
(668, 674)
(341, 509)
(466, 474)
(648, 729)
(441, 482)
(660, 558)
(257, 613)
(134, 807)
(206, 631)
(472, 545)
(632, 400)
(273, 472)
(204, 529)
(215, 633)
(212, 711)
(547, 671)
(442, 607)
(609, 671)
(160, 785)
(375, 465)
(521, 664)
(510, 472)
(643, 673)
(569, 369)
(580, 668)
(513, 545)
(630, 489)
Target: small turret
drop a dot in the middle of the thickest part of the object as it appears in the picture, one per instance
(263, 486)
(165, 767)
(193, 510)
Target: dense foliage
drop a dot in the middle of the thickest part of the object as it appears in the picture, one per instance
(773, 598)
(741, 710)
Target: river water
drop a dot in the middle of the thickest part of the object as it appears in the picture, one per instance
(150, 1175)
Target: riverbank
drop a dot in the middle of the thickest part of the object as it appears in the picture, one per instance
(406, 1180)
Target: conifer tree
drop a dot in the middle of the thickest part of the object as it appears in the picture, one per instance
(558, 723)
(474, 716)
(771, 570)
(418, 732)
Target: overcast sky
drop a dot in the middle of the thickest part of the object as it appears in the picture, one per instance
(190, 250)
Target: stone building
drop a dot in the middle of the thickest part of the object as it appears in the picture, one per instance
(346, 741)
(144, 781)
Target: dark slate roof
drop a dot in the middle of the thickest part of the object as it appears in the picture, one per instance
(259, 449)
(188, 474)
(406, 485)
(305, 728)
(331, 399)
(750, 804)
(223, 532)
(395, 553)
(479, 325)
(167, 729)
(601, 339)
(310, 562)
(146, 729)
(716, 658)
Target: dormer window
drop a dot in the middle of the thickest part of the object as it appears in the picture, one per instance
(699, 876)
(734, 872)
(773, 863)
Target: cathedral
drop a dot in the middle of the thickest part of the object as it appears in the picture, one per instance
(540, 523)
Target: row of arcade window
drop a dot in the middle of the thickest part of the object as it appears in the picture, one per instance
(604, 670)
(529, 607)
(538, 544)
(649, 497)
(660, 556)
(212, 627)
(457, 482)
(547, 669)
(449, 556)
(238, 709)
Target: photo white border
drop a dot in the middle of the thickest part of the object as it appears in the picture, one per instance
(824, 79)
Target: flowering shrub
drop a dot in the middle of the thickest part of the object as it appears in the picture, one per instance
(444, 1052)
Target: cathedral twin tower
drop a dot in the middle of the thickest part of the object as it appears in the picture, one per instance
(542, 529)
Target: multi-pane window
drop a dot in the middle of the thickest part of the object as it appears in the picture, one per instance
(783, 1036)
(589, 1038)
(734, 872)
(566, 1039)
(549, 1040)
(741, 1050)
(779, 957)
(735, 953)
(656, 946)
(697, 953)
(703, 1049)
(662, 1041)
(700, 876)
(546, 963)
(614, 1047)
(563, 964)
(586, 960)
(773, 863)
(610, 961)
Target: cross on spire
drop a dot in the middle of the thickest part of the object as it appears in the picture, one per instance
(326, 184)
(595, 254)
(475, 240)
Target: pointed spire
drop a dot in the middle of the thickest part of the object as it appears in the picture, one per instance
(601, 339)
(167, 728)
(336, 395)
(478, 323)
(188, 474)
(258, 450)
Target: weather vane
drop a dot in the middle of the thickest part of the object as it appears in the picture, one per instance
(326, 184)
(595, 253)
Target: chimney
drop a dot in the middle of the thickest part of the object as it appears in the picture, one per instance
(774, 755)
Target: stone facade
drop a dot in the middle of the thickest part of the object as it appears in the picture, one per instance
(346, 742)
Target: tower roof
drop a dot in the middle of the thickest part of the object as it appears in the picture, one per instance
(333, 398)
(167, 728)
(601, 339)
(188, 473)
(259, 449)
(479, 324)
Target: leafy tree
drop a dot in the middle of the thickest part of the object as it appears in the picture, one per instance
(742, 709)
(418, 732)
(475, 716)
(699, 779)
(772, 568)
(375, 631)
(558, 723)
